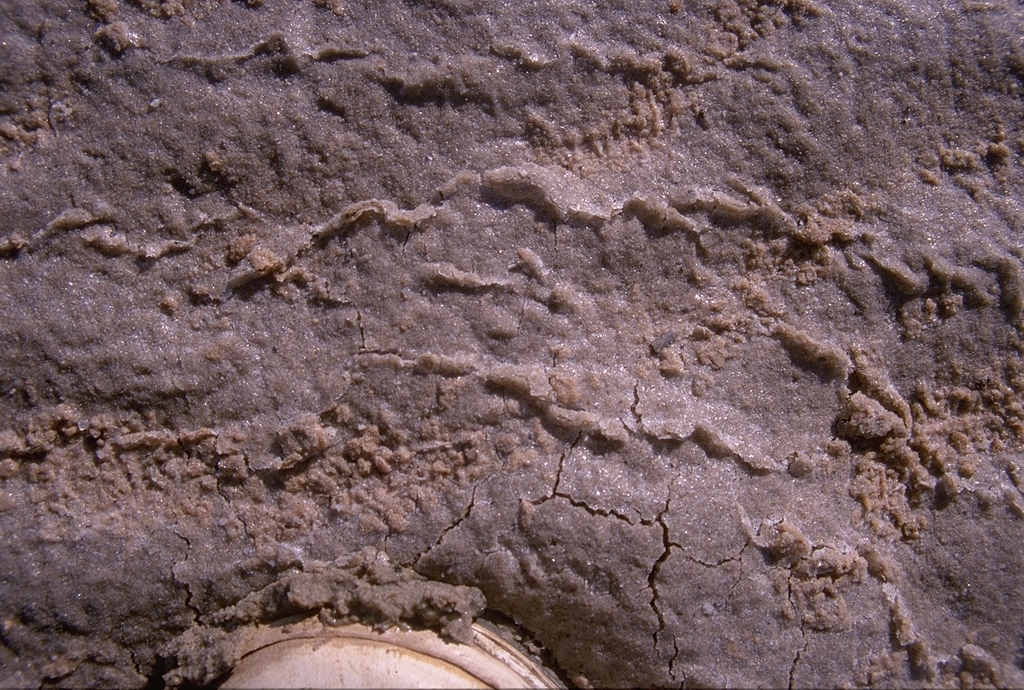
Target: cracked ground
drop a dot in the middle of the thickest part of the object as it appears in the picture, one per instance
(688, 333)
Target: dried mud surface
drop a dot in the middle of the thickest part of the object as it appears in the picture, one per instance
(688, 333)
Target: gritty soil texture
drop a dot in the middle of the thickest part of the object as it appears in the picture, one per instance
(688, 333)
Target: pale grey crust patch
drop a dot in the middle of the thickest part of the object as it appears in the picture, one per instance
(687, 333)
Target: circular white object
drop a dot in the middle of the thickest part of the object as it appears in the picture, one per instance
(308, 654)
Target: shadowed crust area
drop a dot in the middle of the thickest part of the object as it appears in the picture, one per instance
(687, 334)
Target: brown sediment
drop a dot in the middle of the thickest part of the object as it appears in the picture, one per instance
(688, 335)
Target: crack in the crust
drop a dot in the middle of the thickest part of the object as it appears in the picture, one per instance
(639, 432)
(595, 511)
(561, 466)
(652, 583)
(803, 635)
(363, 335)
(458, 521)
(796, 660)
(668, 548)
(739, 574)
(714, 564)
(576, 503)
(188, 588)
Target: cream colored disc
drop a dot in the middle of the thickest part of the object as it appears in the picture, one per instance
(308, 654)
